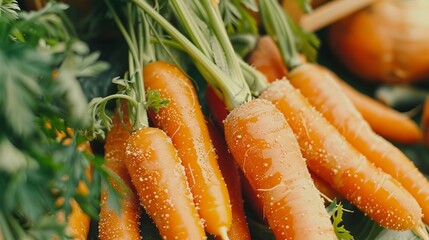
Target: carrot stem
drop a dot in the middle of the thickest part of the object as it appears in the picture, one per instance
(234, 90)
(276, 24)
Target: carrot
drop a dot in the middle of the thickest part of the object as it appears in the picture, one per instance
(331, 157)
(219, 112)
(380, 117)
(267, 152)
(124, 225)
(159, 178)
(183, 121)
(325, 94)
(269, 159)
(267, 59)
(239, 229)
(151, 159)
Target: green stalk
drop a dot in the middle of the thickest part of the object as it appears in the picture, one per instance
(277, 26)
(234, 90)
(135, 45)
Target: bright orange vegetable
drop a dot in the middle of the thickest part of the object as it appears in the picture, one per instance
(159, 178)
(383, 120)
(267, 59)
(325, 94)
(331, 157)
(126, 224)
(386, 42)
(266, 150)
(184, 122)
(239, 229)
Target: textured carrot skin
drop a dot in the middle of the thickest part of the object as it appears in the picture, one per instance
(159, 179)
(384, 120)
(126, 225)
(267, 59)
(325, 94)
(218, 110)
(331, 157)
(183, 121)
(381, 118)
(239, 229)
(267, 152)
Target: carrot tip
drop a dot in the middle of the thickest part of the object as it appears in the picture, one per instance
(224, 233)
(421, 231)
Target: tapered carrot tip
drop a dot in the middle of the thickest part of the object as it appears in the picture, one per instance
(224, 233)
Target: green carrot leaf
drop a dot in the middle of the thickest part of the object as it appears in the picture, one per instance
(155, 101)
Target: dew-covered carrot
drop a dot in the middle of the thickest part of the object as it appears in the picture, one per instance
(331, 157)
(184, 122)
(272, 159)
(151, 159)
(380, 117)
(239, 228)
(325, 94)
(265, 148)
(124, 225)
(159, 178)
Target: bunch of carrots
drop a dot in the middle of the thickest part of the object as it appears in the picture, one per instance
(291, 133)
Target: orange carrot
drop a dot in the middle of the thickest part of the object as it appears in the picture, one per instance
(183, 121)
(325, 94)
(331, 157)
(256, 146)
(266, 150)
(267, 59)
(159, 178)
(381, 118)
(239, 229)
(126, 224)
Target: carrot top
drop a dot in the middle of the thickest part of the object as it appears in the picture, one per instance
(131, 87)
(209, 46)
